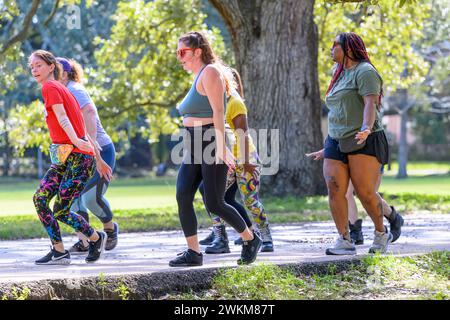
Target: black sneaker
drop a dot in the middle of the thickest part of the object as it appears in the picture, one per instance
(96, 248)
(55, 257)
(79, 248)
(356, 232)
(113, 237)
(208, 240)
(267, 245)
(188, 258)
(250, 249)
(395, 223)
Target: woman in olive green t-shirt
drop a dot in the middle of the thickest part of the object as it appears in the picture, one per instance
(353, 99)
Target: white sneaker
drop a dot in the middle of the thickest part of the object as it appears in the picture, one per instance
(381, 241)
(342, 247)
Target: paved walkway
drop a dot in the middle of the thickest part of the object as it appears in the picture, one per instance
(150, 252)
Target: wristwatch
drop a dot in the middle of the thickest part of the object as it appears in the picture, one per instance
(365, 127)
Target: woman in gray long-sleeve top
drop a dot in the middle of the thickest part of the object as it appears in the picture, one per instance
(92, 197)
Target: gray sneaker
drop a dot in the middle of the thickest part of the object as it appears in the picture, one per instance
(113, 237)
(342, 247)
(381, 241)
(79, 249)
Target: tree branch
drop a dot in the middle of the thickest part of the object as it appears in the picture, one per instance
(52, 14)
(169, 104)
(22, 34)
(223, 11)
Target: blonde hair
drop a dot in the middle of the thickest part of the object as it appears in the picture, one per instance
(237, 79)
(227, 73)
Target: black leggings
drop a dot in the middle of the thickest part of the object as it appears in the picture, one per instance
(230, 198)
(193, 170)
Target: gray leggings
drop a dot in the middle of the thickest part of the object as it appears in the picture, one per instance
(92, 197)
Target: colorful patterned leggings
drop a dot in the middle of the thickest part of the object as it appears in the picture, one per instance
(249, 188)
(66, 183)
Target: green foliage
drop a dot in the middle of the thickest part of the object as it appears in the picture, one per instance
(432, 128)
(388, 32)
(11, 66)
(155, 214)
(135, 81)
(12, 14)
(18, 294)
(123, 291)
(8, 10)
(420, 187)
(138, 74)
(378, 276)
(410, 202)
(258, 282)
(428, 273)
(27, 128)
(21, 295)
(431, 122)
(440, 73)
(102, 283)
(16, 86)
(294, 204)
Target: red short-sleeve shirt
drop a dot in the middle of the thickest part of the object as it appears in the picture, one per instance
(53, 93)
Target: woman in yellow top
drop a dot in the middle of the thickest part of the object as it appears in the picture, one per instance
(246, 177)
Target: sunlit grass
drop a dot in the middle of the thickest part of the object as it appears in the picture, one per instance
(147, 193)
(376, 277)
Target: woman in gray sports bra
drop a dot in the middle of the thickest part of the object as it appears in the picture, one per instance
(204, 121)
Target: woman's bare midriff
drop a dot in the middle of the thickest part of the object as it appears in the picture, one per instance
(196, 122)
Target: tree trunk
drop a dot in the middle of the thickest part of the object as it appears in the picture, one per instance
(6, 146)
(6, 157)
(275, 45)
(403, 143)
(40, 166)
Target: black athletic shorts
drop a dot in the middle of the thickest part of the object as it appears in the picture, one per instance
(376, 146)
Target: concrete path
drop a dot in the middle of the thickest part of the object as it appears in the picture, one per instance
(144, 253)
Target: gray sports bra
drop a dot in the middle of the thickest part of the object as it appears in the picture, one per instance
(196, 105)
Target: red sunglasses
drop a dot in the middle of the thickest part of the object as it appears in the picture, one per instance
(182, 52)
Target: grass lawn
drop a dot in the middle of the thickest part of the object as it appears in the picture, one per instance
(146, 193)
(427, 185)
(124, 194)
(145, 204)
(418, 167)
(424, 277)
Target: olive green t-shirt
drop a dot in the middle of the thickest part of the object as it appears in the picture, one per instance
(345, 100)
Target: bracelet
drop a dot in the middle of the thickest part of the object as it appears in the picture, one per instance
(365, 127)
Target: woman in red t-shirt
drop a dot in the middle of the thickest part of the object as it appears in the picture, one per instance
(63, 180)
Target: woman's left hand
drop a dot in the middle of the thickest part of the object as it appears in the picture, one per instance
(252, 169)
(227, 157)
(104, 170)
(361, 136)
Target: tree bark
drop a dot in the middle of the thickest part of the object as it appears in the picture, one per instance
(6, 157)
(6, 146)
(403, 143)
(22, 34)
(40, 164)
(276, 47)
